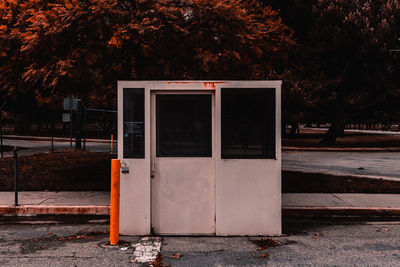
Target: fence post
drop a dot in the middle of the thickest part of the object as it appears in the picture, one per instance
(114, 211)
(112, 143)
(70, 122)
(52, 135)
(83, 126)
(15, 176)
(78, 127)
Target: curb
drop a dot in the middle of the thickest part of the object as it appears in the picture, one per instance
(30, 210)
(54, 210)
(341, 211)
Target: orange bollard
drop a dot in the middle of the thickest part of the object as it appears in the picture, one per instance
(114, 212)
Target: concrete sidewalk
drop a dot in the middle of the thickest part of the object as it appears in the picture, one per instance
(293, 204)
(340, 204)
(55, 203)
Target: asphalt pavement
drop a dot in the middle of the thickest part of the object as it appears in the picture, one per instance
(36, 145)
(356, 162)
(304, 243)
(365, 164)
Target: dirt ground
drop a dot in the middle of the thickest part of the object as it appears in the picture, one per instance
(6, 148)
(58, 171)
(298, 182)
(311, 138)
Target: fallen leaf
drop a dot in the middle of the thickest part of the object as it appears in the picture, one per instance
(157, 262)
(176, 256)
(264, 256)
(319, 234)
(91, 235)
(314, 237)
(383, 229)
(266, 243)
(302, 233)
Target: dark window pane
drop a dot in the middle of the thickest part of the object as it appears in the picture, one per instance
(183, 125)
(133, 111)
(248, 122)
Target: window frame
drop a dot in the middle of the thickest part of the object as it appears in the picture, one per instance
(125, 109)
(270, 134)
(157, 128)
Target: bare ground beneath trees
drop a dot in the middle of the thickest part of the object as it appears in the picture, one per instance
(300, 182)
(6, 148)
(58, 171)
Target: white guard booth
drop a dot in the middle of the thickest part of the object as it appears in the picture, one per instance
(202, 157)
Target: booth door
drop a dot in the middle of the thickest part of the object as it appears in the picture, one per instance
(182, 164)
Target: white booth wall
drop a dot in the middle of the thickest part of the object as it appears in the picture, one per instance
(245, 193)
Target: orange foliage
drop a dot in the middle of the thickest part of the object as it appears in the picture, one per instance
(60, 47)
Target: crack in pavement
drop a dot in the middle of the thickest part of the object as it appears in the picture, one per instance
(342, 200)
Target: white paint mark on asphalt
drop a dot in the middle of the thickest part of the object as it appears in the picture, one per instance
(147, 249)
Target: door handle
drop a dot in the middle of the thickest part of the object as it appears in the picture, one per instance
(153, 168)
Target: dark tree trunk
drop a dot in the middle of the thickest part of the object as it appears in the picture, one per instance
(284, 134)
(295, 130)
(22, 126)
(336, 129)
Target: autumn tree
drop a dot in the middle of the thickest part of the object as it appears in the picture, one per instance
(349, 46)
(342, 68)
(52, 48)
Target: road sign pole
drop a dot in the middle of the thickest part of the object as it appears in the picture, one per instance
(83, 127)
(15, 176)
(70, 123)
(1, 136)
(78, 127)
(1, 131)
